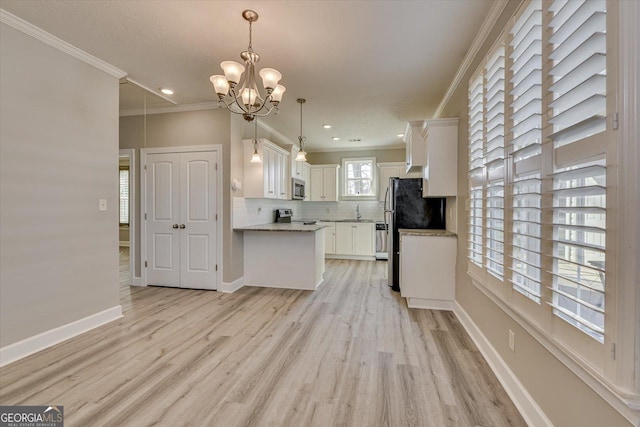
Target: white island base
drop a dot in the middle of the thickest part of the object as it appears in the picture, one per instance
(284, 259)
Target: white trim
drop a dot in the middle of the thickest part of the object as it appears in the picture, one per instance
(353, 257)
(170, 109)
(123, 243)
(53, 41)
(134, 177)
(156, 93)
(489, 22)
(231, 287)
(367, 148)
(527, 406)
(26, 347)
(627, 404)
(136, 281)
(271, 130)
(430, 304)
(220, 212)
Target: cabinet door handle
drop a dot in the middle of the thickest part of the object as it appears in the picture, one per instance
(175, 226)
(182, 226)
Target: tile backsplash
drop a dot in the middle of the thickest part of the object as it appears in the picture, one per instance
(259, 211)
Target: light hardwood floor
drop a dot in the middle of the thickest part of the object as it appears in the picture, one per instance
(348, 354)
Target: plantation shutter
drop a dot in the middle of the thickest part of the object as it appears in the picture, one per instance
(124, 195)
(494, 160)
(578, 116)
(525, 149)
(476, 169)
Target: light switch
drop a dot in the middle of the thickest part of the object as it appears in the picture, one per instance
(102, 204)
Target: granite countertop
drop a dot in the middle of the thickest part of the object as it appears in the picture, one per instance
(291, 227)
(439, 233)
(337, 220)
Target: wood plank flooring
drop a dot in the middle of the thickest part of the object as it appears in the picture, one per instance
(348, 354)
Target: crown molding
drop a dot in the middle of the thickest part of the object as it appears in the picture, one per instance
(488, 24)
(368, 148)
(272, 131)
(170, 109)
(156, 93)
(53, 41)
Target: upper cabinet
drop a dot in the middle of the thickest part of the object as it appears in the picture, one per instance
(324, 183)
(392, 170)
(440, 171)
(416, 150)
(271, 178)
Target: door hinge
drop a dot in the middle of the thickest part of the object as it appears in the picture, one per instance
(145, 215)
(613, 350)
(216, 267)
(216, 217)
(145, 168)
(614, 123)
(145, 264)
(216, 166)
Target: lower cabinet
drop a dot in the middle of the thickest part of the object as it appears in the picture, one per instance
(427, 271)
(329, 238)
(353, 238)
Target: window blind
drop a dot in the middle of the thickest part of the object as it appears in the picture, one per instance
(494, 99)
(525, 123)
(578, 115)
(476, 169)
(124, 195)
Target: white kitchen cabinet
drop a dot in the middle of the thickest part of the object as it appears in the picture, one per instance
(306, 176)
(416, 150)
(270, 178)
(391, 170)
(427, 271)
(441, 169)
(355, 239)
(324, 183)
(329, 238)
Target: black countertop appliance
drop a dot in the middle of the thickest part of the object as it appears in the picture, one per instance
(406, 208)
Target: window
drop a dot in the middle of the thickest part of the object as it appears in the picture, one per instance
(537, 172)
(359, 178)
(124, 195)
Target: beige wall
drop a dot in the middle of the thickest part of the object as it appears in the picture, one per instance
(58, 156)
(193, 128)
(335, 157)
(565, 399)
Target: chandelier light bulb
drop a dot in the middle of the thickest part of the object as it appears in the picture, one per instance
(220, 85)
(301, 156)
(255, 157)
(232, 71)
(249, 96)
(270, 78)
(276, 95)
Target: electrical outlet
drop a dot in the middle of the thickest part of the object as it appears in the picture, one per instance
(259, 210)
(512, 340)
(102, 204)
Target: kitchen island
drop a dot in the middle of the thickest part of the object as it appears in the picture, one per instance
(284, 255)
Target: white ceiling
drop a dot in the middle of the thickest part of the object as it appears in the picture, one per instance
(366, 67)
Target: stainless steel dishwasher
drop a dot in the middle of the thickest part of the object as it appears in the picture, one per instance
(381, 241)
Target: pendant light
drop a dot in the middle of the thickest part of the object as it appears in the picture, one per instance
(302, 155)
(255, 157)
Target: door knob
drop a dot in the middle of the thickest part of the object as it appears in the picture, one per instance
(175, 225)
(182, 226)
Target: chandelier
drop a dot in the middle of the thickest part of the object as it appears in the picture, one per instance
(247, 99)
(302, 155)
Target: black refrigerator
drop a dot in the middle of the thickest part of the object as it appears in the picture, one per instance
(406, 208)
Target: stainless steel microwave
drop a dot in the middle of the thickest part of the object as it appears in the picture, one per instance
(297, 189)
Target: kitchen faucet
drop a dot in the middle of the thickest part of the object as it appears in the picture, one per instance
(358, 216)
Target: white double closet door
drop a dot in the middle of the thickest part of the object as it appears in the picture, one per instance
(181, 230)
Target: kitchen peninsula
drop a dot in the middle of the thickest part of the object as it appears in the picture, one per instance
(284, 255)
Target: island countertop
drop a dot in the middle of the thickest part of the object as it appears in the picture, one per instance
(290, 227)
(439, 233)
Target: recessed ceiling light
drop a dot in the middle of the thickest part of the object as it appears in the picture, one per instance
(326, 126)
(335, 138)
(166, 91)
(355, 140)
(401, 135)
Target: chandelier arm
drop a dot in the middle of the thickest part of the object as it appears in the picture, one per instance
(230, 106)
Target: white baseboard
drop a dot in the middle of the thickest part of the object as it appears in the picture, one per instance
(124, 243)
(529, 409)
(231, 287)
(136, 281)
(352, 257)
(430, 304)
(26, 347)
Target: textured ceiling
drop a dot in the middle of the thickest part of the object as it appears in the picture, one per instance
(366, 67)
